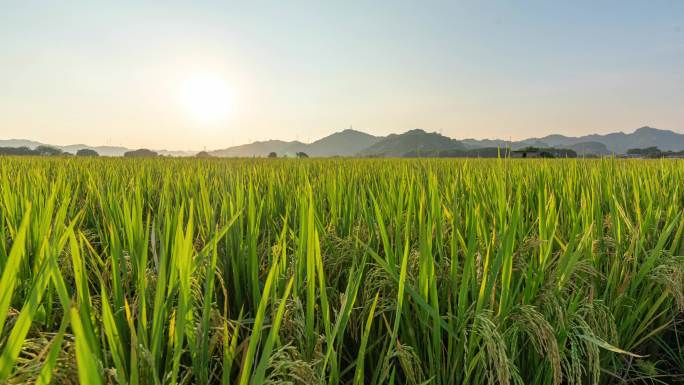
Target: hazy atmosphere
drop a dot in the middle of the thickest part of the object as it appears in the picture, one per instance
(217, 74)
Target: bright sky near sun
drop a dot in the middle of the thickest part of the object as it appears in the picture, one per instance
(190, 75)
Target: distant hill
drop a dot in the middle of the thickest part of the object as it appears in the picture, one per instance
(73, 148)
(411, 142)
(594, 144)
(485, 143)
(343, 143)
(620, 142)
(415, 142)
(481, 152)
(499, 143)
(119, 151)
(587, 148)
(20, 143)
(261, 149)
(102, 150)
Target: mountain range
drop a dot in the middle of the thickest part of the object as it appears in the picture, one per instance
(344, 143)
(417, 140)
(413, 143)
(619, 142)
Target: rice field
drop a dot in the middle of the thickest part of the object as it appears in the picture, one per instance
(341, 271)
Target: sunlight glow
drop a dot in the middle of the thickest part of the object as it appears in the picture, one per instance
(206, 97)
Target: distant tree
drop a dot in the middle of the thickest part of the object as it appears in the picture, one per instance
(484, 152)
(302, 155)
(47, 150)
(140, 153)
(547, 152)
(272, 155)
(20, 151)
(203, 154)
(648, 151)
(40, 151)
(86, 152)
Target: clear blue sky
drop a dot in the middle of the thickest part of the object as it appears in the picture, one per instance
(116, 72)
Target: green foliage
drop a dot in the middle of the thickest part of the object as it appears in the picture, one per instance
(87, 152)
(331, 271)
(140, 153)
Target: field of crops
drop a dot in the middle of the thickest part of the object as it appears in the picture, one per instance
(184, 271)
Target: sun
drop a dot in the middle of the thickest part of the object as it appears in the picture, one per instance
(206, 97)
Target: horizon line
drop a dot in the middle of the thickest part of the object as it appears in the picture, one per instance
(41, 142)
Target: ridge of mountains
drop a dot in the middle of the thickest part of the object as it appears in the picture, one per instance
(343, 143)
(620, 142)
(414, 142)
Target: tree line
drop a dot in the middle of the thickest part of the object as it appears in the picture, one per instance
(44, 151)
(84, 152)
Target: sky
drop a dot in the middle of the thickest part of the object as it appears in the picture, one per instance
(212, 74)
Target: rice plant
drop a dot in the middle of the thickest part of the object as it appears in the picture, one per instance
(341, 271)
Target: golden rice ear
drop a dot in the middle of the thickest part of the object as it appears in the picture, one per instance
(536, 329)
(670, 275)
(493, 344)
(286, 366)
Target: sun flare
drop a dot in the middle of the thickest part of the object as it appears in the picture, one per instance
(206, 97)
